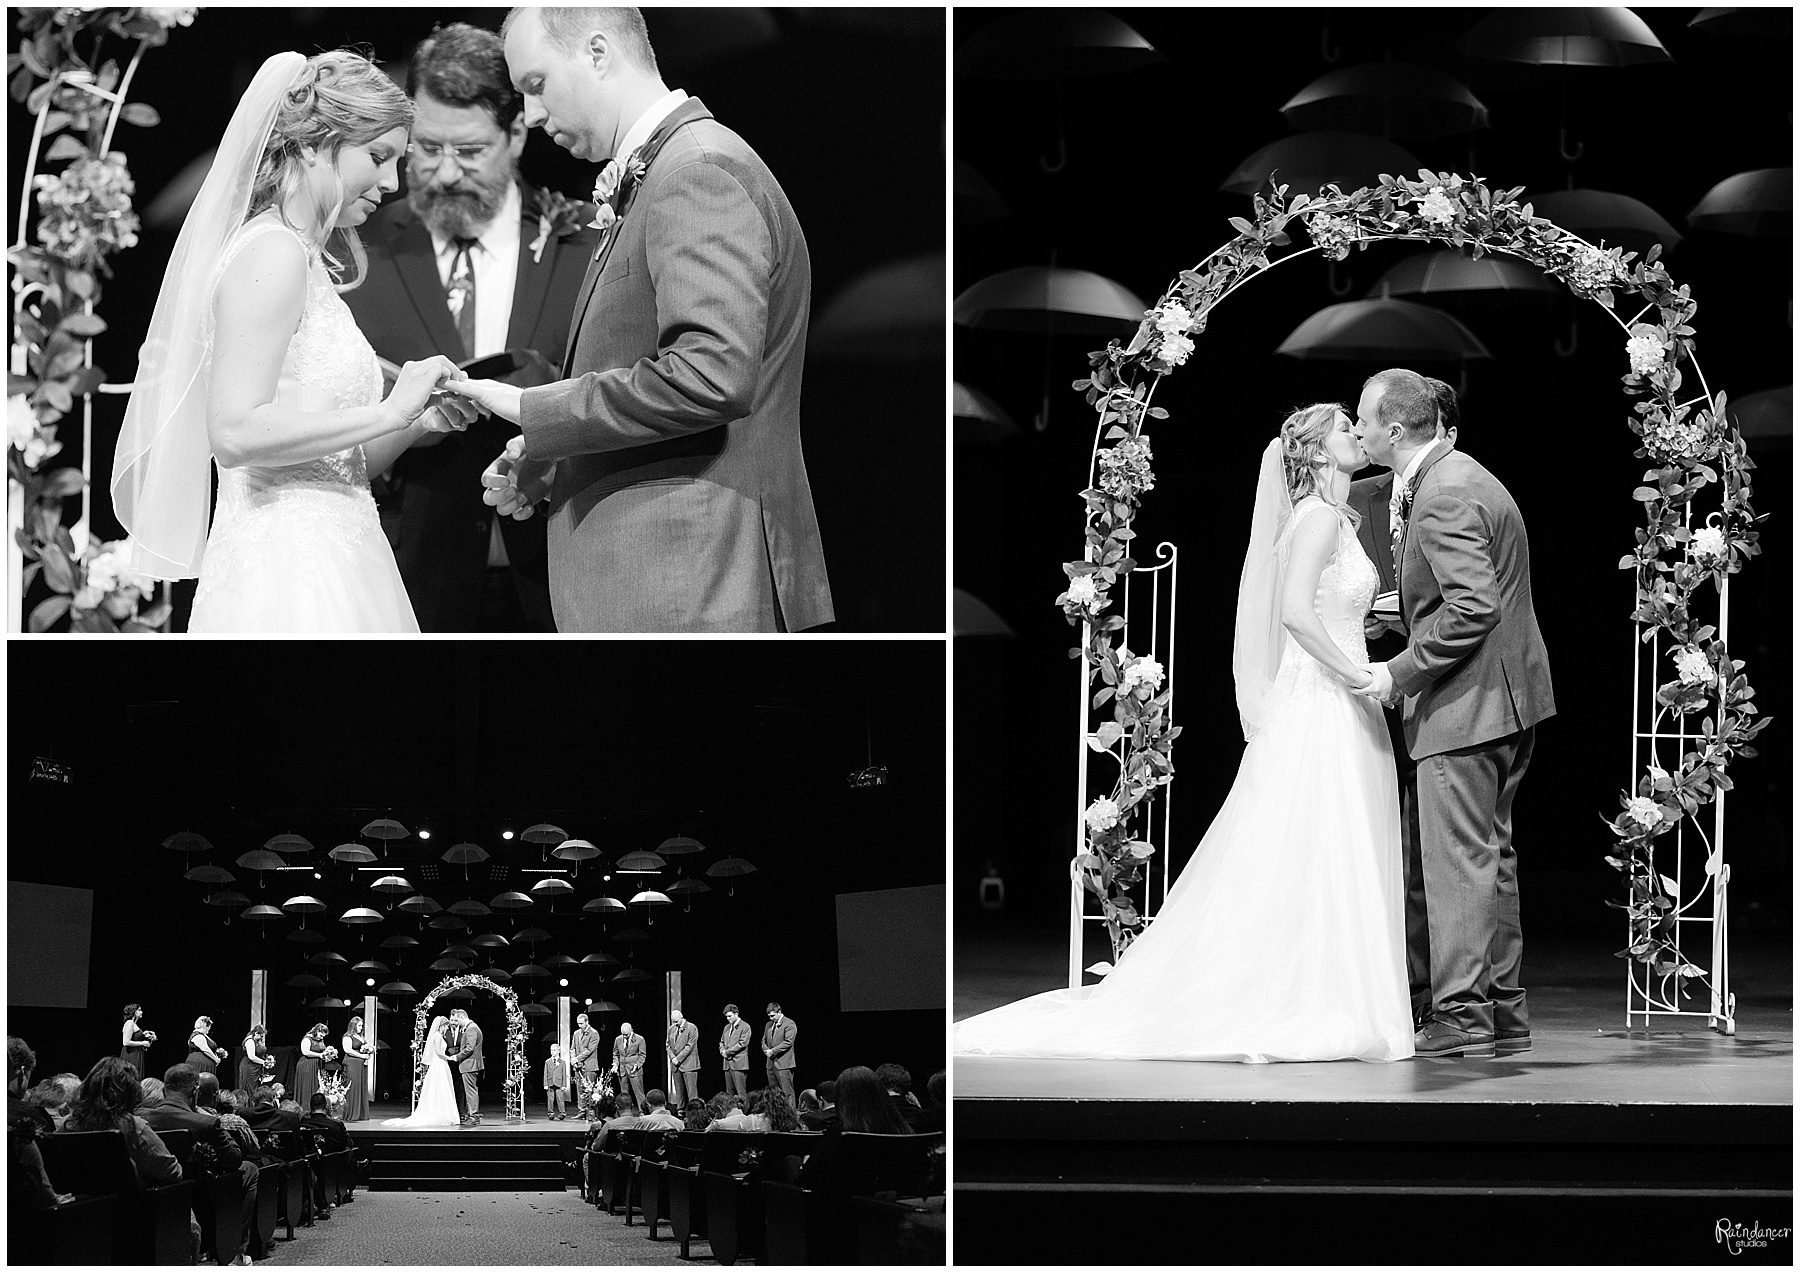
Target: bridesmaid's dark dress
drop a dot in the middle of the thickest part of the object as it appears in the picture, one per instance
(355, 1074)
(134, 1057)
(202, 1062)
(306, 1077)
(250, 1074)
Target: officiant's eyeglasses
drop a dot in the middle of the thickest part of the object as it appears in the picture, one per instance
(428, 154)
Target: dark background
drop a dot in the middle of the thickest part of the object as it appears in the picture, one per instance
(744, 746)
(1139, 201)
(846, 106)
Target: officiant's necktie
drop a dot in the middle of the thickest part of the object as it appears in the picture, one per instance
(462, 293)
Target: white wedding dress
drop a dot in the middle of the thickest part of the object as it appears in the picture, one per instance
(1284, 937)
(437, 1095)
(299, 548)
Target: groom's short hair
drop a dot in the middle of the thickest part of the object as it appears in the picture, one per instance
(461, 65)
(569, 29)
(1406, 400)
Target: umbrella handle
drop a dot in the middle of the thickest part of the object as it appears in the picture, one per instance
(1562, 146)
(1326, 52)
(1062, 156)
(1331, 282)
(1574, 340)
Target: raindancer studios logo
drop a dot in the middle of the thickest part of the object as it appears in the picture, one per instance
(1742, 1237)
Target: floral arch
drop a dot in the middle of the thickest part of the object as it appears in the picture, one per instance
(1689, 449)
(515, 1036)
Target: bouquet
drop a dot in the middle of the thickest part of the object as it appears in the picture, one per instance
(331, 1054)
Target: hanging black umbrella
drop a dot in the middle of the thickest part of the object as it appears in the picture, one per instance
(209, 874)
(327, 1001)
(1597, 215)
(530, 971)
(188, 842)
(459, 952)
(973, 196)
(686, 890)
(1382, 330)
(463, 854)
(373, 965)
(544, 833)
(306, 935)
(397, 988)
(399, 941)
(600, 958)
(970, 617)
(1388, 99)
(449, 921)
(510, 901)
(1565, 37)
(978, 417)
(1758, 204)
(226, 897)
(449, 965)
(633, 974)
(603, 1005)
(355, 854)
(1054, 44)
(261, 913)
(304, 980)
(489, 939)
(535, 1010)
(468, 907)
(288, 845)
(1307, 162)
(386, 830)
(550, 888)
(559, 961)
(1038, 298)
(1760, 417)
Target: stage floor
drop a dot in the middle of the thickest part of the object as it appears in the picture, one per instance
(1581, 1051)
(536, 1124)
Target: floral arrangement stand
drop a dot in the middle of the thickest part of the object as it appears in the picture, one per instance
(336, 1090)
(85, 215)
(1694, 450)
(516, 1033)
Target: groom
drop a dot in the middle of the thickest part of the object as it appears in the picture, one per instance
(1476, 679)
(671, 452)
(466, 1058)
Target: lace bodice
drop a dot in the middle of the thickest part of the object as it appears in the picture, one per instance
(1346, 589)
(329, 366)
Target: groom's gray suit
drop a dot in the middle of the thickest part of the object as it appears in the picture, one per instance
(1477, 681)
(680, 503)
(468, 1062)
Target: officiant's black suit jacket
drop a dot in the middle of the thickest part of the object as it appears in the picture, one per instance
(441, 532)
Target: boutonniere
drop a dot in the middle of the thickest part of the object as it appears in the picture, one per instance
(557, 215)
(611, 191)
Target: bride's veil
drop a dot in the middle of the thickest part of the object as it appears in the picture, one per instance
(1260, 638)
(162, 469)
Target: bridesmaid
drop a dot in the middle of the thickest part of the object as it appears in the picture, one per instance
(356, 1057)
(253, 1070)
(135, 1041)
(306, 1071)
(203, 1054)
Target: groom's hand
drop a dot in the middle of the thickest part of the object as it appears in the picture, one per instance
(514, 484)
(492, 396)
(1381, 685)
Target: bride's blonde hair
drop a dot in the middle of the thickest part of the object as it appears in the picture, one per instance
(341, 98)
(1303, 454)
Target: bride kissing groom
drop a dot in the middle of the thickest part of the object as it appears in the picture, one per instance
(1294, 903)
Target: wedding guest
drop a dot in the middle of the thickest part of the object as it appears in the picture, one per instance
(863, 1106)
(931, 1117)
(697, 1115)
(826, 1116)
(106, 1102)
(203, 1054)
(556, 1084)
(50, 1100)
(257, 1062)
(628, 1063)
(750, 1117)
(266, 1116)
(357, 1053)
(734, 1048)
(150, 1092)
(20, 1062)
(778, 1051)
(134, 1039)
(898, 1081)
(306, 1071)
(215, 1152)
(779, 1110)
(658, 1118)
(333, 1138)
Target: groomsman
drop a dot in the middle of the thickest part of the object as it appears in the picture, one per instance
(684, 1061)
(778, 1050)
(734, 1047)
(584, 1061)
(628, 1064)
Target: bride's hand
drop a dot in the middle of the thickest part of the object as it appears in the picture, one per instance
(417, 382)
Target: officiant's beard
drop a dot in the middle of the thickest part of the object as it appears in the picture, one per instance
(462, 211)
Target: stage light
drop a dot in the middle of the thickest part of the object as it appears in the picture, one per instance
(565, 981)
(424, 834)
(506, 835)
(605, 878)
(317, 876)
(371, 981)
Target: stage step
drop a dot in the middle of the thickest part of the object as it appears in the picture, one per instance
(470, 1161)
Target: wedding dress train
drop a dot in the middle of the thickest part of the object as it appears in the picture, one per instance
(437, 1096)
(1284, 937)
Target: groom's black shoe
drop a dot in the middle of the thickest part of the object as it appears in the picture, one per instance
(1512, 1041)
(1440, 1038)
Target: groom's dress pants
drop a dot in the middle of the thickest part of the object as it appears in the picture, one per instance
(456, 1090)
(471, 1084)
(1471, 875)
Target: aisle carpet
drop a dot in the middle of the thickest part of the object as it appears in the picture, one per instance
(477, 1228)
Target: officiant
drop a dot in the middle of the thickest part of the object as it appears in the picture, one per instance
(473, 264)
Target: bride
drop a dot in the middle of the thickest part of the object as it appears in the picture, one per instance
(253, 360)
(1284, 937)
(436, 1105)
